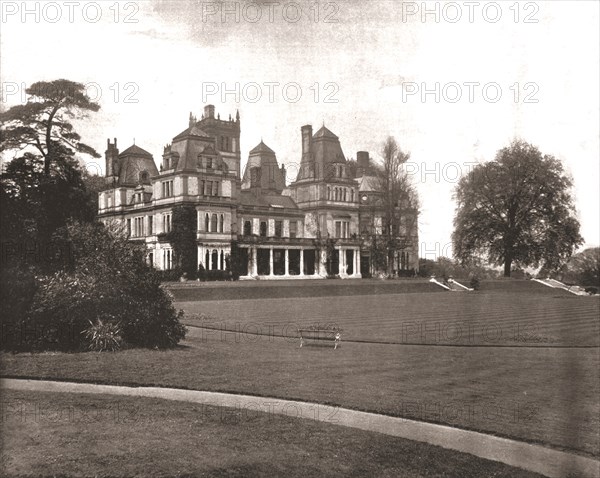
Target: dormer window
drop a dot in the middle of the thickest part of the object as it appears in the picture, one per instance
(209, 163)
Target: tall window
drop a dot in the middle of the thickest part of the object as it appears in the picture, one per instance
(213, 223)
(293, 228)
(128, 227)
(278, 228)
(209, 163)
(263, 228)
(342, 229)
(167, 259)
(351, 195)
(215, 190)
(167, 189)
(207, 222)
(221, 221)
(166, 223)
(150, 225)
(138, 227)
(329, 193)
(247, 228)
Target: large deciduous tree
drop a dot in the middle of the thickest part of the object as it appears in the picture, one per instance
(398, 200)
(517, 210)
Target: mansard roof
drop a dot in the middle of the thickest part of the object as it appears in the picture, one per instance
(193, 130)
(324, 133)
(135, 166)
(250, 198)
(135, 150)
(270, 175)
(261, 148)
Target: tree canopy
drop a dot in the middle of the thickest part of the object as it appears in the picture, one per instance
(517, 209)
(43, 123)
(44, 184)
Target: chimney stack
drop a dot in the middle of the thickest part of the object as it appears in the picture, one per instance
(362, 162)
(306, 139)
(111, 155)
(209, 111)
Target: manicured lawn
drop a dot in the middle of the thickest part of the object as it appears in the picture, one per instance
(85, 435)
(548, 396)
(473, 318)
(542, 388)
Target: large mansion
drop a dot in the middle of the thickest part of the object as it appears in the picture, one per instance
(279, 229)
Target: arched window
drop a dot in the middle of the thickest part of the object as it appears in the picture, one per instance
(207, 260)
(215, 259)
(329, 193)
(345, 194)
(207, 223)
(351, 195)
(221, 221)
(213, 223)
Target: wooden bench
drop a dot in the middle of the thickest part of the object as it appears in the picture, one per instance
(313, 333)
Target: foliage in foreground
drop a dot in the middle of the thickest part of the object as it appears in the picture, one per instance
(105, 282)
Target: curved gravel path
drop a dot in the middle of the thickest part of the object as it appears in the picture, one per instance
(536, 458)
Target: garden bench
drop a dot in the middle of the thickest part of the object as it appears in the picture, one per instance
(313, 333)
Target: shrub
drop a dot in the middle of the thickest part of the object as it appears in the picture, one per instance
(474, 284)
(107, 278)
(103, 336)
(17, 290)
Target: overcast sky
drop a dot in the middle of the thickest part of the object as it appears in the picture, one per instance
(503, 70)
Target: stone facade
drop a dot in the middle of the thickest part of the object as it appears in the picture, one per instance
(320, 224)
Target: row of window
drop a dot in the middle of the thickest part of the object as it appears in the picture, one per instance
(342, 229)
(340, 194)
(206, 188)
(209, 188)
(214, 222)
(137, 229)
(263, 228)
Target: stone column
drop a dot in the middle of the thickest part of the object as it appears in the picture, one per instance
(270, 261)
(287, 263)
(301, 261)
(254, 261)
(321, 257)
(342, 262)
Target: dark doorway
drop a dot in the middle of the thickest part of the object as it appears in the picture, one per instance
(294, 255)
(350, 262)
(263, 262)
(333, 262)
(278, 262)
(309, 262)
